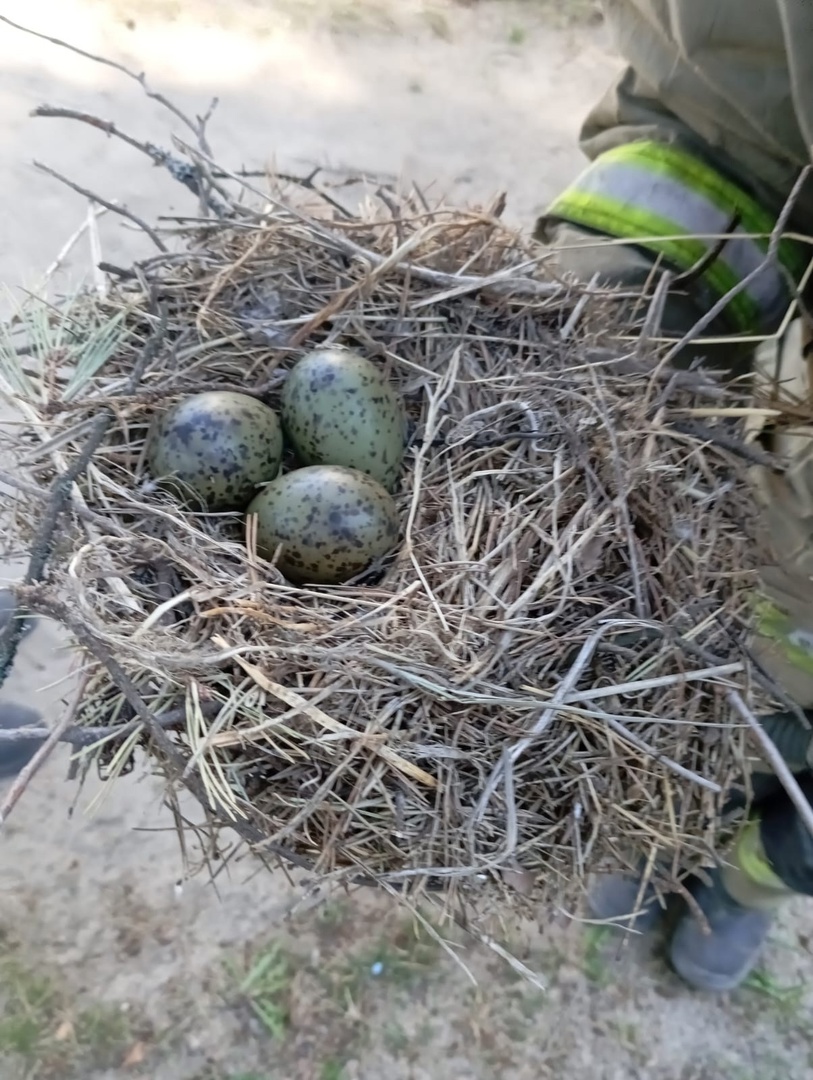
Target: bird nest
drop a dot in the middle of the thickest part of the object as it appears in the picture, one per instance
(531, 686)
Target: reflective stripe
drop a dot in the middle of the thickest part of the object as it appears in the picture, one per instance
(777, 627)
(626, 222)
(750, 858)
(673, 204)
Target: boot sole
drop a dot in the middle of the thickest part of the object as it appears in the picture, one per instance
(701, 979)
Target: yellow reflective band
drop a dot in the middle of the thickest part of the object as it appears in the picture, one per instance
(665, 200)
(777, 627)
(626, 222)
(751, 859)
(672, 161)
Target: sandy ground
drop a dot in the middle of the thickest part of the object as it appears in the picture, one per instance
(113, 965)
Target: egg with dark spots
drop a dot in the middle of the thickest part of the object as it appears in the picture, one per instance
(324, 523)
(214, 449)
(338, 409)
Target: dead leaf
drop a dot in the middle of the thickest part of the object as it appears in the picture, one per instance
(135, 1055)
(64, 1032)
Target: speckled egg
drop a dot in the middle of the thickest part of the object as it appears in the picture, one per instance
(338, 409)
(331, 523)
(216, 448)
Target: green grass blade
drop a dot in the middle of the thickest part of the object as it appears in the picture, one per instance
(94, 352)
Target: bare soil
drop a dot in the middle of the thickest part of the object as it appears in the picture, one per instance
(115, 964)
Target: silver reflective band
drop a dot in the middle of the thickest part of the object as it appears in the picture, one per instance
(686, 211)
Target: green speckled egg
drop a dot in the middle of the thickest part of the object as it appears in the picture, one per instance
(216, 448)
(332, 523)
(338, 409)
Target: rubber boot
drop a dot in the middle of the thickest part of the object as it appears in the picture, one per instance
(614, 898)
(721, 960)
(739, 902)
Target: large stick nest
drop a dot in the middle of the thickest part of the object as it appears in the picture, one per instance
(535, 682)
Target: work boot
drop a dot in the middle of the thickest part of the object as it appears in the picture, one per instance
(615, 898)
(739, 900)
(722, 959)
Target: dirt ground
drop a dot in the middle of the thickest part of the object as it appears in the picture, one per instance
(112, 963)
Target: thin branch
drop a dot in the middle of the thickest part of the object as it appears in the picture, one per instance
(179, 170)
(654, 316)
(770, 259)
(121, 210)
(705, 261)
(87, 736)
(703, 432)
(548, 710)
(141, 79)
(667, 762)
(106, 126)
(504, 282)
(306, 182)
(67, 247)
